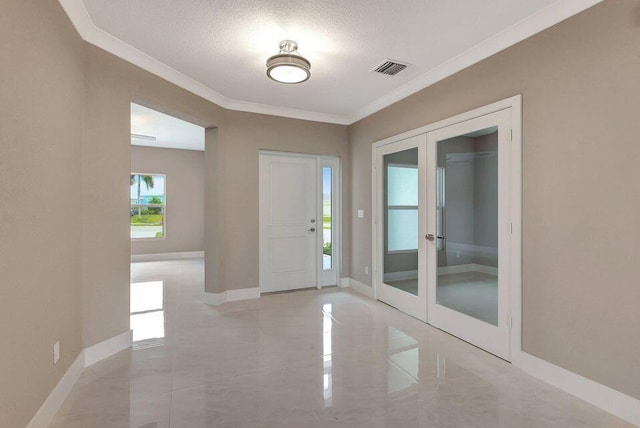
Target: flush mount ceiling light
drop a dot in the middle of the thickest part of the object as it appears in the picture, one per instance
(288, 66)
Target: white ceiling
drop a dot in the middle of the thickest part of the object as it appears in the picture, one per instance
(218, 48)
(170, 132)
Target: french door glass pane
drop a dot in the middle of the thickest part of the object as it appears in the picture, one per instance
(327, 220)
(401, 220)
(402, 185)
(468, 224)
(403, 227)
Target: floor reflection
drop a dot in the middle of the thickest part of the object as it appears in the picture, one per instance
(404, 360)
(441, 366)
(147, 313)
(327, 332)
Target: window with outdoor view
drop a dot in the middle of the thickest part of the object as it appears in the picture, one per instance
(327, 225)
(148, 204)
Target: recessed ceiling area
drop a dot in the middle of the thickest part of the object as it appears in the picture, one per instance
(218, 49)
(151, 128)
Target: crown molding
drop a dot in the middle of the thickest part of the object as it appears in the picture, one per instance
(81, 20)
(521, 30)
(288, 112)
(90, 33)
(539, 21)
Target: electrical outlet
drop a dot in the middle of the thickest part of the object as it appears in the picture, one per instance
(366, 270)
(56, 352)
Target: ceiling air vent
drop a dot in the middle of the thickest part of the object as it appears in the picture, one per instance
(389, 67)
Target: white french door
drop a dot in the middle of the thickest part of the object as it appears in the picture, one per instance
(400, 263)
(468, 178)
(446, 226)
(298, 221)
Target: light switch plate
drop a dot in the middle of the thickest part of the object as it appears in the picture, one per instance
(360, 213)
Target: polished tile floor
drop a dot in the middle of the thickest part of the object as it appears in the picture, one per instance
(329, 358)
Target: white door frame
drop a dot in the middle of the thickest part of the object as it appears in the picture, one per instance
(492, 338)
(414, 305)
(322, 279)
(515, 210)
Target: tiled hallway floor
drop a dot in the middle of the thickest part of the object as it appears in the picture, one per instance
(326, 358)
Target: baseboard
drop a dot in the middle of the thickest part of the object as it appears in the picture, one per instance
(399, 276)
(51, 405)
(358, 286)
(448, 270)
(107, 348)
(87, 356)
(615, 402)
(471, 249)
(469, 267)
(243, 294)
(607, 399)
(216, 299)
(489, 270)
(167, 256)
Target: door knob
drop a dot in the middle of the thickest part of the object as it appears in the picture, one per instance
(430, 237)
(313, 229)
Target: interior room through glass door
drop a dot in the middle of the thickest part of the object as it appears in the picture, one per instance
(400, 263)
(469, 284)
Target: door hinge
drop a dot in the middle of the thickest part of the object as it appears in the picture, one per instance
(510, 323)
(510, 228)
(511, 137)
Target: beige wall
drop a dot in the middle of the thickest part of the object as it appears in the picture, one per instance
(581, 98)
(244, 134)
(184, 221)
(212, 224)
(111, 85)
(41, 115)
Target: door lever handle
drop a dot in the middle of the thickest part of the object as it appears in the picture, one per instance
(313, 229)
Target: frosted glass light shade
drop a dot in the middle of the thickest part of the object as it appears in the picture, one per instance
(288, 66)
(288, 74)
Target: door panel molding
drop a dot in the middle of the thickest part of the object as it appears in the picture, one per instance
(287, 192)
(300, 225)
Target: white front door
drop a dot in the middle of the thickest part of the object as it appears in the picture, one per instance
(468, 230)
(400, 266)
(289, 226)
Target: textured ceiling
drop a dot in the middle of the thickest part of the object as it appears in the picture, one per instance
(223, 44)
